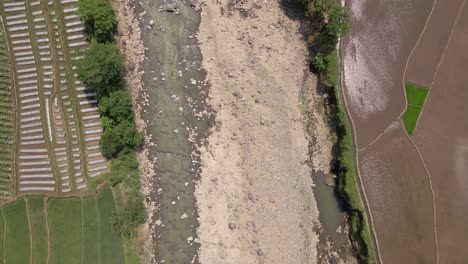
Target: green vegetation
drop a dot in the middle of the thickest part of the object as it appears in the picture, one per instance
(416, 94)
(110, 243)
(7, 124)
(64, 217)
(17, 244)
(347, 185)
(416, 97)
(102, 68)
(410, 118)
(38, 229)
(90, 230)
(99, 19)
(2, 235)
(329, 21)
(122, 137)
(81, 230)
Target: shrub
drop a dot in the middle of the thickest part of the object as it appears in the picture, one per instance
(130, 215)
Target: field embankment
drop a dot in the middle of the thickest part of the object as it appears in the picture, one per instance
(330, 22)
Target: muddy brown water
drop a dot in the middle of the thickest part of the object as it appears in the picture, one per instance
(173, 77)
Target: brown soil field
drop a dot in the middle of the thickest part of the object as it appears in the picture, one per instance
(427, 53)
(400, 198)
(442, 137)
(417, 185)
(376, 49)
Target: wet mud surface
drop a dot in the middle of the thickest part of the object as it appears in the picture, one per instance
(400, 198)
(427, 55)
(442, 137)
(398, 171)
(376, 49)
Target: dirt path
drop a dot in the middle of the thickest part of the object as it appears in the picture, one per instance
(30, 231)
(255, 197)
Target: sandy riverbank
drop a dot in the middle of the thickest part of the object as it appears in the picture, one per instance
(255, 197)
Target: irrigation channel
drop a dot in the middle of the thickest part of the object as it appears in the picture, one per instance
(178, 121)
(175, 84)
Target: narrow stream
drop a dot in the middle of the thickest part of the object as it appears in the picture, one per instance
(175, 83)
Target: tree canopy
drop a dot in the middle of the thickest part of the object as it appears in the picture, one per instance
(99, 18)
(117, 107)
(123, 136)
(101, 68)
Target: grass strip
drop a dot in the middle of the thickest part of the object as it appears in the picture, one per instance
(347, 186)
(131, 246)
(39, 231)
(2, 237)
(65, 230)
(17, 243)
(90, 231)
(110, 243)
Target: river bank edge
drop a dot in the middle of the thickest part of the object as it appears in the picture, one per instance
(130, 43)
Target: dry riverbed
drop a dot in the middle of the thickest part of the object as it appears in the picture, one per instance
(255, 192)
(255, 198)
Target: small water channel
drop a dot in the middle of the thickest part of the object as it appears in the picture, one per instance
(175, 83)
(334, 244)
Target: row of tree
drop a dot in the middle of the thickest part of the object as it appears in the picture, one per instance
(102, 69)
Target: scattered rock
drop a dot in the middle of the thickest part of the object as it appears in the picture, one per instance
(171, 7)
(151, 22)
(183, 216)
(131, 66)
(232, 226)
(236, 94)
(260, 252)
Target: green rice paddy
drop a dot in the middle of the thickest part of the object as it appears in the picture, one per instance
(60, 230)
(17, 245)
(416, 96)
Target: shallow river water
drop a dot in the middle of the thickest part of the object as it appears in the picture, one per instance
(173, 75)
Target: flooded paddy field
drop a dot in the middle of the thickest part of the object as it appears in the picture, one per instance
(400, 198)
(415, 185)
(376, 49)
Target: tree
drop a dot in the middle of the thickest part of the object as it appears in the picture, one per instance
(99, 18)
(124, 136)
(117, 106)
(101, 68)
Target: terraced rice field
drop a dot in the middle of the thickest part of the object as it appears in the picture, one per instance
(37, 229)
(50, 126)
